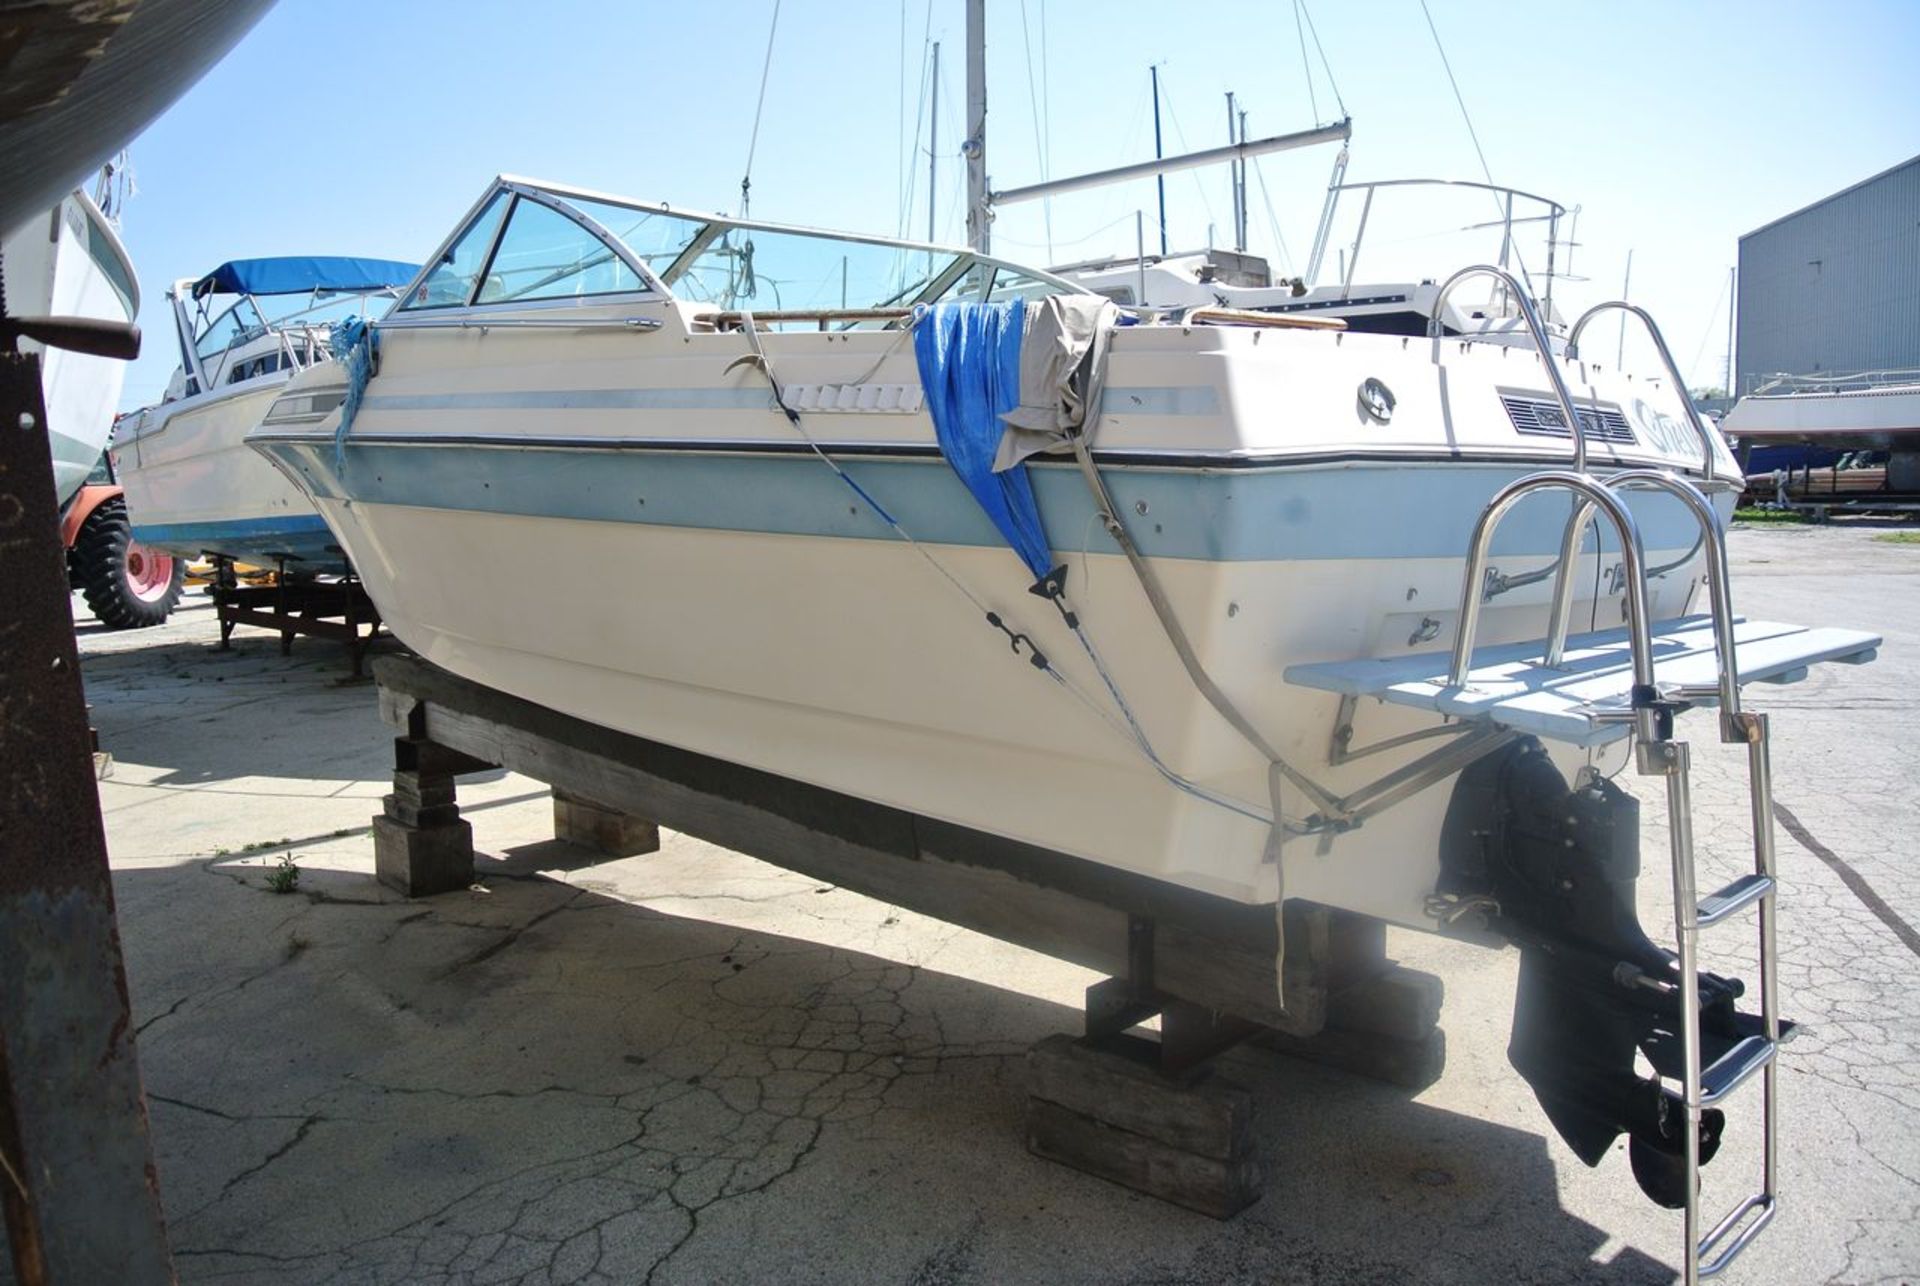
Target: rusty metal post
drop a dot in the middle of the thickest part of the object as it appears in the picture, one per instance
(77, 1179)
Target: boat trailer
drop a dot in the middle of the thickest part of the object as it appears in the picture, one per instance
(336, 608)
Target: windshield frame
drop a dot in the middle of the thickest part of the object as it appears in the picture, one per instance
(562, 197)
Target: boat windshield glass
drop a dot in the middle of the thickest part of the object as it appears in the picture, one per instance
(754, 268)
(995, 283)
(736, 266)
(560, 244)
(239, 321)
(252, 316)
(450, 284)
(655, 237)
(543, 254)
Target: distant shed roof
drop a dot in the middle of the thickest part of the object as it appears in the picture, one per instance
(1814, 205)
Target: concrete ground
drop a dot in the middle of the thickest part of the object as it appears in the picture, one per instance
(691, 1067)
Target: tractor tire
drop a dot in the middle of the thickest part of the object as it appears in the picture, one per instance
(128, 586)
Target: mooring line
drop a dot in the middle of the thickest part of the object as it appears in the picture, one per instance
(1849, 877)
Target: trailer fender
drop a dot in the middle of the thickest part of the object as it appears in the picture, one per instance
(89, 498)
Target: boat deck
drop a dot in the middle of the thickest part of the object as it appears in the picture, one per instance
(1583, 700)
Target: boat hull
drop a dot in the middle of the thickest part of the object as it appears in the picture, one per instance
(194, 488)
(618, 523)
(1871, 419)
(752, 607)
(52, 269)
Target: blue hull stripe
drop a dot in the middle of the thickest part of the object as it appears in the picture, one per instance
(1328, 512)
(303, 536)
(1175, 400)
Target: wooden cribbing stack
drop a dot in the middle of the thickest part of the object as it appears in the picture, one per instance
(1151, 1114)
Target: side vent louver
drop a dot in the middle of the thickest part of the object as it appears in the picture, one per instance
(1543, 416)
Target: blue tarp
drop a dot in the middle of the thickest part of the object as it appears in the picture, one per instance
(298, 274)
(355, 344)
(970, 368)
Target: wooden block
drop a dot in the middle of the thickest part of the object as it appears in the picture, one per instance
(422, 861)
(1403, 1003)
(1414, 1064)
(423, 791)
(1213, 1187)
(1198, 1112)
(1215, 953)
(604, 830)
(1356, 948)
(404, 808)
(431, 759)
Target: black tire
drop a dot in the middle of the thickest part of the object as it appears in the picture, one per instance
(106, 562)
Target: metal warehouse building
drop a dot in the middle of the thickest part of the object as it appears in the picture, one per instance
(1834, 287)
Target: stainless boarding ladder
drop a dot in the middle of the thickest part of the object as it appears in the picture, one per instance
(1657, 754)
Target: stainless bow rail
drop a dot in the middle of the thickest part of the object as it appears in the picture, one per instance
(1666, 359)
(1659, 755)
(1535, 327)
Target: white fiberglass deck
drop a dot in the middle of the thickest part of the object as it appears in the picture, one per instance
(1579, 701)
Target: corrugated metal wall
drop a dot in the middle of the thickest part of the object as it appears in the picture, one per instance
(1834, 287)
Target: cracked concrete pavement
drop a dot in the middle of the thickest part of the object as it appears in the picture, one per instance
(691, 1067)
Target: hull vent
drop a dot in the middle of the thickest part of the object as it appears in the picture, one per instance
(1544, 418)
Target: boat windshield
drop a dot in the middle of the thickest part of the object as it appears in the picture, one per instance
(239, 321)
(251, 316)
(753, 268)
(736, 266)
(527, 244)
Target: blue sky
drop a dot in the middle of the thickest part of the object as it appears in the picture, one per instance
(368, 126)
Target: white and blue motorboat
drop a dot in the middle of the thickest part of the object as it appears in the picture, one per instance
(243, 331)
(1248, 603)
(580, 381)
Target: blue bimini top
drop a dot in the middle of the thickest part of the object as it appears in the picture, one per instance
(299, 274)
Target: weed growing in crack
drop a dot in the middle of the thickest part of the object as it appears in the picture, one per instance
(285, 877)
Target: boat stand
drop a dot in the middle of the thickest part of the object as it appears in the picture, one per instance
(335, 609)
(1149, 1113)
(78, 1190)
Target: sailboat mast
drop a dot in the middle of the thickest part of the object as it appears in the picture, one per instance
(933, 147)
(979, 212)
(981, 199)
(1242, 247)
(1233, 175)
(1160, 180)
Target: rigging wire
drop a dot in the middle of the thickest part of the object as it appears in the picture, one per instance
(1109, 226)
(911, 158)
(753, 140)
(1512, 244)
(900, 116)
(1325, 66)
(1708, 333)
(1033, 101)
(1313, 100)
(1173, 118)
(1465, 115)
(1132, 731)
(1273, 223)
(1046, 104)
